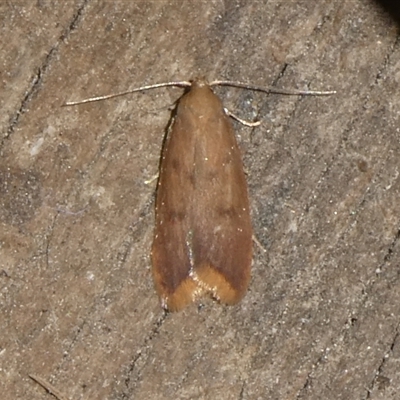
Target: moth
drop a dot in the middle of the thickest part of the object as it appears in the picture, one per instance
(203, 232)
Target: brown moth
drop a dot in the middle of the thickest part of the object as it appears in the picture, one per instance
(203, 232)
(203, 235)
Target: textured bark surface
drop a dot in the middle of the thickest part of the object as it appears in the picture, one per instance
(77, 302)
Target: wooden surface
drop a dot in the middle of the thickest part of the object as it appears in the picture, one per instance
(78, 306)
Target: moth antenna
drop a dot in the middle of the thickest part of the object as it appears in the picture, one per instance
(270, 89)
(139, 89)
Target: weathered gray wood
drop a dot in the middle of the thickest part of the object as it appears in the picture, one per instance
(77, 305)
